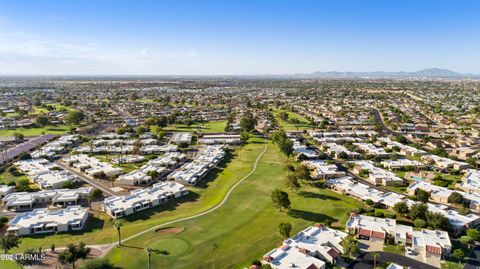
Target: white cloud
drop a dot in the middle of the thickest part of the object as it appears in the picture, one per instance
(21, 53)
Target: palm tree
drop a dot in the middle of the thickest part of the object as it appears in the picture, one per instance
(117, 225)
(215, 247)
(149, 253)
(375, 256)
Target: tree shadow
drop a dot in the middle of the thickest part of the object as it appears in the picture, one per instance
(309, 194)
(310, 216)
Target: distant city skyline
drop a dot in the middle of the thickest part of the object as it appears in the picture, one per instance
(186, 37)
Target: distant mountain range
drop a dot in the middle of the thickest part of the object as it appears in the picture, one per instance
(425, 73)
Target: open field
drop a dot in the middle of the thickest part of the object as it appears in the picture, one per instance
(57, 106)
(205, 127)
(248, 213)
(287, 126)
(50, 129)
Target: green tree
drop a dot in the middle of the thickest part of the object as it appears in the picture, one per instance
(401, 207)
(420, 223)
(280, 199)
(74, 117)
(350, 245)
(473, 233)
(418, 210)
(73, 253)
(292, 183)
(9, 241)
(458, 254)
(437, 221)
(466, 240)
(248, 122)
(285, 229)
(42, 120)
(97, 264)
(422, 195)
(455, 198)
(244, 136)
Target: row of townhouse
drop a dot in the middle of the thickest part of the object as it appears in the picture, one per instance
(376, 175)
(356, 133)
(402, 163)
(162, 165)
(191, 173)
(92, 166)
(321, 170)
(45, 174)
(371, 149)
(428, 243)
(55, 147)
(334, 150)
(363, 192)
(141, 199)
(470, 181)
(181, 138)
(303, 150)
(404, 149)
(20, 201)
(311, 248)
(445, 163)
(126, 149)
(223, 139)
(441, 194)
(128, 159)
(40, 221)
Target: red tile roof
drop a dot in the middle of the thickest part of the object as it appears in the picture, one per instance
(312, 266)
(380, 235)
(333, 253)
(433, 249)
(364, 232)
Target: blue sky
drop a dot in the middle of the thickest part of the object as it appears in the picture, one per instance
(236, 37)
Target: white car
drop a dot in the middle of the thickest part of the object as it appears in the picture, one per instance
(409, 250)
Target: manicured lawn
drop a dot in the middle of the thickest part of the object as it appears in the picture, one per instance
(394, 249)
(57, 106)
(244, 228)
(287, 126)
(204, 127)
(58, 129)
(7, 177)
(100, 230)
(5, 264)
(452, 265)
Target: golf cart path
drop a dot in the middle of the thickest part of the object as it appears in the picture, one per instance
(107, 247)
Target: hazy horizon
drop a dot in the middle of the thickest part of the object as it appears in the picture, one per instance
(218, 38)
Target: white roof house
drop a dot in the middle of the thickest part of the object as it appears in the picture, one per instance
(300, 149)
(92, 166)
(45, 174)
(377, 175)
(401, 163)
(336, 149)
(41, 221)
(372, 149)
(141, 199)
(27, 200)
(323, 170)
(441, 194)
(470, 181)
(211, 139)
(192, 172)
(181, 137)
(55, 147)
(445, 163)
(425, 241)
(5, 190)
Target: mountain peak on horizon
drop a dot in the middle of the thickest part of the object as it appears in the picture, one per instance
(427, 72)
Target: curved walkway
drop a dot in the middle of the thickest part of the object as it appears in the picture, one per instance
(107, 247)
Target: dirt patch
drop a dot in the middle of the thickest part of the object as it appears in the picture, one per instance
(170, 230)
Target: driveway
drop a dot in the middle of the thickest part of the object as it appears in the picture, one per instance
(365, 261)
(473, 261)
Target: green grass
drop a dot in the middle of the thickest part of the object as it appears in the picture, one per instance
(6, 177)
(57, 129)
(245, 227)
(57, 106)
(99, 228)
(288, 126)
(7, 264)
(204, 127)
(394, 249)
(452, 265)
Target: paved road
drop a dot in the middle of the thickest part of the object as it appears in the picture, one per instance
(473, 261)
(87, 179)
(378, 119)
(365, 261)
